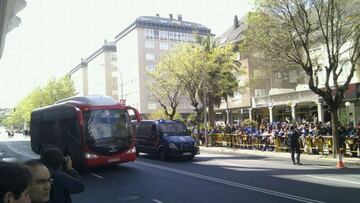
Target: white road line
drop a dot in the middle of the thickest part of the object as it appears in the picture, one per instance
(96, 175)
(334, 179)
(234, 184)
(26, 155)
(157, 201)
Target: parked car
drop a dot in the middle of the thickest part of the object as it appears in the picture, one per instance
(165, 138)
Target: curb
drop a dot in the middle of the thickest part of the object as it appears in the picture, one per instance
(322, 158)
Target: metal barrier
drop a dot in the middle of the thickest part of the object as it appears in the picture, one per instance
(308, 144)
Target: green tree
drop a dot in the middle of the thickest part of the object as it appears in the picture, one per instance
(292, 30)
(183, 67)
(164, 86)
(53, 91)
(220, 70)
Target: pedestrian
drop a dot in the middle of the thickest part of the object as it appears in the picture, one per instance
(41, 181)
(293, 136)
(15, 181)
(66, 178)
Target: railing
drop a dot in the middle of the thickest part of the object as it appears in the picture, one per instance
(266, 142)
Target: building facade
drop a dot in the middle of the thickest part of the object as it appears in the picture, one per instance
(98, 73)
(119, 69)
(8, 18)
(285, 95)
(139, 48)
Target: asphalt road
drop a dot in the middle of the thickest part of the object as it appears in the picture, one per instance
(210, 177)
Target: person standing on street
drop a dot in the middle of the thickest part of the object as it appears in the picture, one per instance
(66, 178)
(41, 181)
(293, 136)
(15, 181)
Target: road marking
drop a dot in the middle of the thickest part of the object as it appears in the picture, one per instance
(157, 201)
(234, 184)
(26, 155)
(96, 175)
(334, 179)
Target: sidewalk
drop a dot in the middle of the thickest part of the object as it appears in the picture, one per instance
(304, 157)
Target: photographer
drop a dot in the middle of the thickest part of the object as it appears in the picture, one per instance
(66, 179)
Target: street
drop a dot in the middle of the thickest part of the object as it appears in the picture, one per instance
(210, 177)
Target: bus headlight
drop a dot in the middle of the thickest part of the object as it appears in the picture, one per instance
(132, 150)
(90, 156)
(172, 146)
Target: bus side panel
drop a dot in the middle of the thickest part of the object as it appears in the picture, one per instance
(35, 129)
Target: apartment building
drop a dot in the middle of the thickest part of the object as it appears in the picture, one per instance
(284, 95)
(98, 73)
(119, 68)
(139, 48)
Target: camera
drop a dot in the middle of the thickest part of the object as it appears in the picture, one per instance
(66, 159)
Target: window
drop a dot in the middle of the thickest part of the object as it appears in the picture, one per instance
(293, 76)
(164, 46)
(113, 57)
(114, 73)
(151, 106)
(237, 96)
(260, 92)
(150, 57)
(278, 75)
(149, 44)
(150, 67)
(163, 35)
(149, 33)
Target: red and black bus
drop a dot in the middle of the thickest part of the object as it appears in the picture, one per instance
(93, 130)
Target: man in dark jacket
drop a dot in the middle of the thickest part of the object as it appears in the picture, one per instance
(66, 179)
(293, 136)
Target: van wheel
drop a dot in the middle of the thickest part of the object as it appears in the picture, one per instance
(191, 157)
(162, 155)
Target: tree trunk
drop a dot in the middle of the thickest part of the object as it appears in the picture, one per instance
(335, 131)
(211, 114)
(198, 121)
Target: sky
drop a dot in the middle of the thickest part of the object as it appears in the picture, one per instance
(55, 34)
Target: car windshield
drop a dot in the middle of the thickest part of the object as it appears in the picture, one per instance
(103, 125)
(175, 129)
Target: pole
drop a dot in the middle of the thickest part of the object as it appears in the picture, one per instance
(122, 87)
(121, 83)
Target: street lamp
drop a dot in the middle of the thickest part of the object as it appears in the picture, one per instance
(347, 104)
(121, 84)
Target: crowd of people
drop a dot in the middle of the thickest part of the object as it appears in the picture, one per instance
(310, 133)
(49, 180)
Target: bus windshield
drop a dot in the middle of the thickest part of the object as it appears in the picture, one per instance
(107, 128)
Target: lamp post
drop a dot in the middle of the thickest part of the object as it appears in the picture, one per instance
(347, 104)
(121, 84)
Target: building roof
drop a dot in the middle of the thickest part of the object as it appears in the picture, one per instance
(235, 32)
(153, 21)
(170, 24)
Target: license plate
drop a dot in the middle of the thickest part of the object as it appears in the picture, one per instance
(113, 160)
(186, 153)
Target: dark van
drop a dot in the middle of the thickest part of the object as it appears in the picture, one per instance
(165, 138)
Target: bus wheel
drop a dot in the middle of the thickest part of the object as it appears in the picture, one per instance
(162, 155)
